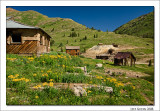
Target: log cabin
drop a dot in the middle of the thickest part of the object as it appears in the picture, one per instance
(26, 40)
(73, 50)
(124, 58)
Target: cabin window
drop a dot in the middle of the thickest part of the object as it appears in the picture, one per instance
(16, 38)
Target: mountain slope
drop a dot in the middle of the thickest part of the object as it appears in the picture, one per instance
(142, 26)
(60, 30)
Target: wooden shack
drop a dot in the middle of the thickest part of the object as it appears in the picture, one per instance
(26, 40)
(124, 58)
(73, 50)
(102, 56)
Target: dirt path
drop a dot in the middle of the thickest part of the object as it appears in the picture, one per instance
(128, 73)
(147, 99)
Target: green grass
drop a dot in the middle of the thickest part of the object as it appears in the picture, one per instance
(32, 71)
(142, 26)
(61, 68)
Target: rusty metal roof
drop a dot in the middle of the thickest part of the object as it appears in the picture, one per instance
(72, 47)
(123, 55)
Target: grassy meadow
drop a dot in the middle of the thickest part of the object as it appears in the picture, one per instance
(27, 75)
(33, 80)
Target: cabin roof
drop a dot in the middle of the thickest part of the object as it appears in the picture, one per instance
(103, 55)
(15, 25)
(72, 47)
(123, 55)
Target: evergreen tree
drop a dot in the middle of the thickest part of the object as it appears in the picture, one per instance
(61, 49)
(107, 31)
(96, 35)
(72, 29)
(92, 28)
(85, 38)
(64, 35)
(52, 30)
(52, 42)
(84, 49)
(75, 41)
(60, 45)
(99, 30)
(67, 42)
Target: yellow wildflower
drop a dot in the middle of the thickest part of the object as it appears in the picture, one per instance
(36, 97)
(11, 76)
(45, 75)
(22, 78)
(49, 71)
(27, 80)
(119, 84)
(51, 80)
(16, 75)
(45, 84)
(89, 91)
(34, 74)
(51, 84)
(90, 82)
(15, 80)
(38, 86)
(113, 80)
(133, 87)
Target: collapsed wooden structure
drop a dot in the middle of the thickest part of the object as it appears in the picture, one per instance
(124, 58)
(26, 40)
(73, 50)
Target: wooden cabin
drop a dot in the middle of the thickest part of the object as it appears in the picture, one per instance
(73, 50)
(124, 58)
(102, 56)
(26, 40)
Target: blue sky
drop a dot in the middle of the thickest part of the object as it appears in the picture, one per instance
(99, 17)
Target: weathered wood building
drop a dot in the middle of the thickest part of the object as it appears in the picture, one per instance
(26, 40)
(73, 50)
(124, 58)
(102, 56)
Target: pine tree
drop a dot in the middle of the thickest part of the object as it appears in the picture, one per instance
(52, 30)
(84, 49)
(92, 28)
(96, 35)
(64, 35)
(60, 45)
(85, 38)
(72, 29)
(61, 49)
(107, 31)
(99, 30)
(67, 42)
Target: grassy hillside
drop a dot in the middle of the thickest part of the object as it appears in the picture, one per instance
(60, 29)
(36, 80)
(142, 26)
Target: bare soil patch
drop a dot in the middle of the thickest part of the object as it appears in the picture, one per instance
(127, 72)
